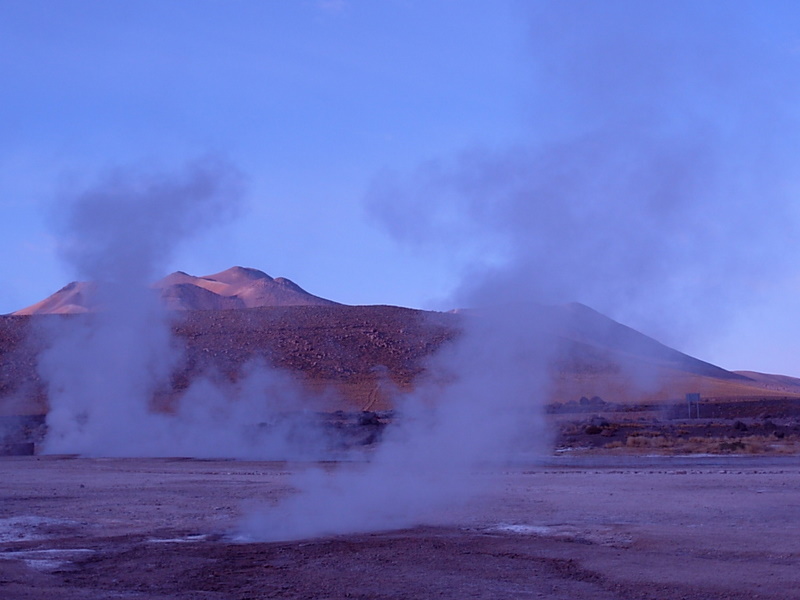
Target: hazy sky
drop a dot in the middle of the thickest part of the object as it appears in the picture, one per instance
(393, 148)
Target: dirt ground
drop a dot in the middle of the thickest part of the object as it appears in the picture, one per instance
(573, 528)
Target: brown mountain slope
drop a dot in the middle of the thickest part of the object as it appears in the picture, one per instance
(237, 287)
(358, 354)
(73, 298)
(188, 296)
(597, 356)
(779, 383)
(584, 329)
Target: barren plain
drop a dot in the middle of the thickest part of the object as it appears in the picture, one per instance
(568, 528)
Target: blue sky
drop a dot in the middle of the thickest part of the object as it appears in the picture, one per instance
(308, 99)
(359, 126)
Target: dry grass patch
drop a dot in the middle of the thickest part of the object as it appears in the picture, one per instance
(704, 445)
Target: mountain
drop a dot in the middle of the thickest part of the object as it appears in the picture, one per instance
(594, 355)
(588, 332)
(237, 287)
(75, 297)
(242, 315)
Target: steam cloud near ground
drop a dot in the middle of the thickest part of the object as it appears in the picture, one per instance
(480, 409)
(104, 368)
(655, 185)
(656, 128)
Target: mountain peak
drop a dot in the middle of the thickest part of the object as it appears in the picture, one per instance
(238, 275)
(237, 287)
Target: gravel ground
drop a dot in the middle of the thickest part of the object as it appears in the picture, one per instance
(573, 528)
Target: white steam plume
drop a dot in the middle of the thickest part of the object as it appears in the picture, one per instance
(480, 407)
(655, 183)
(103, 368)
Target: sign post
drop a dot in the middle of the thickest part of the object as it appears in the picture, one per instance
(693, 398)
